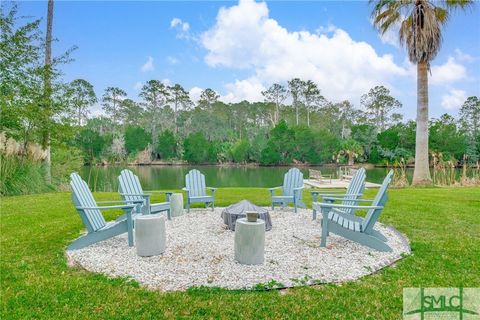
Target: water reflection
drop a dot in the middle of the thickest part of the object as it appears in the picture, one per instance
(172, 177)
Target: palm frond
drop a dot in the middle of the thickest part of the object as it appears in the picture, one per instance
(459, 4)
(420, 23)
(424, 39)
(387, 13)
(405, 29)
(441, 15)
(391, 20)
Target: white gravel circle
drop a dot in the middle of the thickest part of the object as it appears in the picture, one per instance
(200, 253)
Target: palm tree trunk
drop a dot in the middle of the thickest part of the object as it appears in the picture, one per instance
(48, 91)
(421, 174)
(350, 159)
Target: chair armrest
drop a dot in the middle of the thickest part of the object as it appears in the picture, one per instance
(125, 207)
(344, 206)
(275, 188)
(159, 192)
(299, 188)
(185, 189)
(318, 193)
(346, 198)
(136, 195)
(168, 194)
(121, 201)
(338, 195)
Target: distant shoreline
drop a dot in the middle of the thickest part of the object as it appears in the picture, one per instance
(235, 165)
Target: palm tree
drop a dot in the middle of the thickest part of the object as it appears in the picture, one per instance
(351, 149)
(420, 32)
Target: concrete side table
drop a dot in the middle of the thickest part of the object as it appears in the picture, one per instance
(176, 204)
(150, 235)
(250, 241)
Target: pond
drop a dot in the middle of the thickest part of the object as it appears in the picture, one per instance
(172, 177)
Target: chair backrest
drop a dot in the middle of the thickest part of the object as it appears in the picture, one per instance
(380, 200)
(356, 186)
(82, 197)
(195, 183)
(292, 179)
(129, 184)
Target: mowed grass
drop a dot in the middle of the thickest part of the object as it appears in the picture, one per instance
(443, 226)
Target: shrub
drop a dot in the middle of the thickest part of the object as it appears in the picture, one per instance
(91, 143)
(270, 156)
(136, 139)
(305, 149)
(64, 162)
(197, 149)
(259, 143)
(240, 151)
(167, 145)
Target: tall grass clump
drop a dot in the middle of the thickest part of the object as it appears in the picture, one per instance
(400, 174)
(470, 173)
(443, 170)
(21, 169)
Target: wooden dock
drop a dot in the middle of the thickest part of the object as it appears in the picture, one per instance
(334, 184)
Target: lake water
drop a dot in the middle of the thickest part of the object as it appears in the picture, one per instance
(172, 177)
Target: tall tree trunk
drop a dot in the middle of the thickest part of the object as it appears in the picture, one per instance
(175, 118)
(350, 159)
(277, 114)
(421, 174)
(48, 92)
(296, 110)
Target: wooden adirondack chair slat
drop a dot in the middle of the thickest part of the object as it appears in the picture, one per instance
(356, 228)
(380, 200)
(354, 191)
(291, 190)
(84, 198)
(131, 190)
(356, 186)
(196, 189)
(98, 229)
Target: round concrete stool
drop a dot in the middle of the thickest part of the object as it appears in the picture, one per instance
(176, 203)
(249, 241)
(150, 235)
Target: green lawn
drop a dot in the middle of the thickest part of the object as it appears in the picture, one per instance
(443, 226)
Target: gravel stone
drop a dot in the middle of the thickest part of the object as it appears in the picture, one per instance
(200, 252)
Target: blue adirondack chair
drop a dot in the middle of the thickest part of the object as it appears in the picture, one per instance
(90, 213)
(356, 228)
(197, 191)
(131, 190)
(291, 190)
(350, 197)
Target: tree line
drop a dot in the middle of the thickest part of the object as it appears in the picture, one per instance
(294, 123)
(165, 124)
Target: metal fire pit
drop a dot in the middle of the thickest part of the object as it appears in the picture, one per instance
(239, 209)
